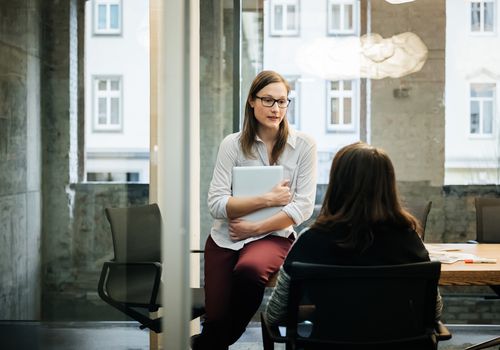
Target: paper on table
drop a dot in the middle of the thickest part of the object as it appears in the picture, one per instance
(449, 255)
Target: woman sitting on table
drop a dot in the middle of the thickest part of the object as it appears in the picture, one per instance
(361, 223)
(240, 255)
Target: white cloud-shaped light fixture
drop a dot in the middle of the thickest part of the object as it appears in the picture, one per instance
(370, 56)
(396, 2)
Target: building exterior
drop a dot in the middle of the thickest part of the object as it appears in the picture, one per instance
(327, 109)
(117, 90)
(472, 76)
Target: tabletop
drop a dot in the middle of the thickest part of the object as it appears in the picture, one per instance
(466, 274)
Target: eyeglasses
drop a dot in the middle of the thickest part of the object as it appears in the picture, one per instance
(269, 101)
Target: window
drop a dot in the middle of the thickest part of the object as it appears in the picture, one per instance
(324, 164)
(284, 17)
(107, 103)
(482, 16)
(482, 108)
(341, 17)
(292, 112)
(113, 177)
(342, 110)
(107, 17)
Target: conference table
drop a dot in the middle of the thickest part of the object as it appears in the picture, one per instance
(461, 273)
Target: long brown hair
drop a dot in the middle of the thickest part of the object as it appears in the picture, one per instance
(250, 123)
(362, 192)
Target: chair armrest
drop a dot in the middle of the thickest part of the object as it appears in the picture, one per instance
(442, 333)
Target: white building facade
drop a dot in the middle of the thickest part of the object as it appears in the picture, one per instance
(117, 90)
(472, 147)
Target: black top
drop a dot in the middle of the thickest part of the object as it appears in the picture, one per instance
(391, 246)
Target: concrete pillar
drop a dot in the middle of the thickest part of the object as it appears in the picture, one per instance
(20, 167)
(59, 144)
(216, 89)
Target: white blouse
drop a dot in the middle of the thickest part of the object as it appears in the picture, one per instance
(299, 161)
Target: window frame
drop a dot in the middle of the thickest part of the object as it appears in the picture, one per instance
(284, 32)
(341, 94)
(481, 134)
(95, 15)
(108, 94)
(294, 97)
(110, 173)
(481, 31)
(342, 31)
(325, 158)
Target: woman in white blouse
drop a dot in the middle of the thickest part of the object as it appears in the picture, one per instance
(240, 255)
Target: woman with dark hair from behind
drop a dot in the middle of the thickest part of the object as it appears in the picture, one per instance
(361, 223)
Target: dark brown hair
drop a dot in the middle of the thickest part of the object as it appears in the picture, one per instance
(362, 192)
(250, 124)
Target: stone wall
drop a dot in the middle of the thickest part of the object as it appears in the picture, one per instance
(453, 216)
(20, 167)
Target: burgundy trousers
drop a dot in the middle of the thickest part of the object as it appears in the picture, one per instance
(234, 286)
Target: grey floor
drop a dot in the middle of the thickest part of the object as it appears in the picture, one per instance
(20, 335)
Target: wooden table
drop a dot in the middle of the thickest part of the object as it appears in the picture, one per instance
(463, 274)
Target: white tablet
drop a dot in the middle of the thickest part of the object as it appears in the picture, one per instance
(256, 180)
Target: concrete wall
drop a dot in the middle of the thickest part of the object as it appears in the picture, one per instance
(216, 89)
(411, 129)
(20, 167)
(59, 138)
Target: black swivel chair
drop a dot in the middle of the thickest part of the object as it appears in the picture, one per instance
(487, 220)
(363, 307)
(420, 211)
(132, 281)
(488, 225)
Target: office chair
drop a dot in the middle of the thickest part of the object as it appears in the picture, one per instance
(131, 282)
(420, 211)
(487, 220)
(360, 307)
(488, 225)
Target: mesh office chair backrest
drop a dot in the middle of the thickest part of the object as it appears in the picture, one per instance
(136, 233)
(366, 304)
(420, 211)
(487, 220)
